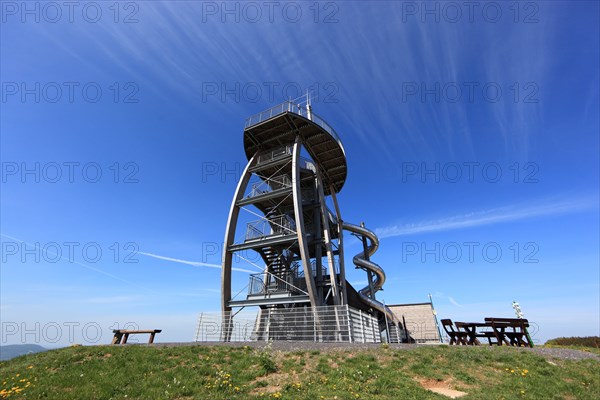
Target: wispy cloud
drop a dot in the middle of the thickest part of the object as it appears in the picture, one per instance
(114, 299)
(86, 266)
(192, 263)
(454, 302)
(489, 217)
(451, 299)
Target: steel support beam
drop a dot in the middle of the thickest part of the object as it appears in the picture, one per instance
(335, 292)
(344, 292)
(232, 220)
(300, 230)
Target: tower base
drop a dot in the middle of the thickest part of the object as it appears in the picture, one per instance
(307, 324)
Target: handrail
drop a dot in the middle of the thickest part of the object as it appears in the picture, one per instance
(276, 153)
(275, 225)
(258, 286)
(270, 184)
(273, 154)
(288, 106)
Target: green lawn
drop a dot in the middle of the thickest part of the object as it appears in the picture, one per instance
(198, 372)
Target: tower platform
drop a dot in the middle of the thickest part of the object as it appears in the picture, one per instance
(280, 125)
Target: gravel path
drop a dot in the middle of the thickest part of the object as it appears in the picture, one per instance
(548, 353)
(565, 354)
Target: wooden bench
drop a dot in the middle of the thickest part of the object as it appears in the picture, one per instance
(121, 335)
(514, 329)
(457, 337)
(470, 328)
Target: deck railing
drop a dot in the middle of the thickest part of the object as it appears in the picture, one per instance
(288, 106)
(273, 154)
(279, 225)
(270, 184)
(262, 284)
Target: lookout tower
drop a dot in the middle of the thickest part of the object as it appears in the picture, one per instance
(296, 166)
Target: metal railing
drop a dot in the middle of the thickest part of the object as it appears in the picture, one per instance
(274, 154)
(279, 152)
(253, 230)
(288, 106)
(324, 267)
(279, 225)
(267, 283)
(313, 324)
(256, 286)
(270, 184)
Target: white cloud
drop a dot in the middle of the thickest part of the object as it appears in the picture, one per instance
(192, 263)
(113, 299)
(86, 266)
(440, 295)
(489, 217)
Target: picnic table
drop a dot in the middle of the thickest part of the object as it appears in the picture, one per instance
(494, 333)
(513, 329)
(497, 331)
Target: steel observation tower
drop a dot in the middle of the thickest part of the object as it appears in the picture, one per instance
(296, 165)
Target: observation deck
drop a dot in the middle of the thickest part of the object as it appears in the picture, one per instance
(279, 125)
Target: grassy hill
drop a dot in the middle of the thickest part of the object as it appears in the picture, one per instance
(218, 372)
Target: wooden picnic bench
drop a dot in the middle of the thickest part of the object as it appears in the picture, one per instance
(513, 329)
(457, 337)
(121, 335)
(471, 329)
(497, 331)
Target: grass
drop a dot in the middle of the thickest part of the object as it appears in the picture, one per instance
(198, 372)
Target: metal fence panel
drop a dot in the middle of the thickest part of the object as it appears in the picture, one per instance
(318, 324)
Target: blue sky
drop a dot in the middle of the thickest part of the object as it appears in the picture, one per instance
(471, 137)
